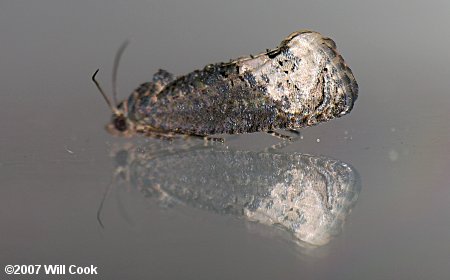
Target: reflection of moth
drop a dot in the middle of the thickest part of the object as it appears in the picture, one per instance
(307, 196)
(302, 82)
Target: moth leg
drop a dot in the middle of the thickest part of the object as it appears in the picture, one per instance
(168, 136)
(151, 132)
(279, 135)
(208, 138)
(214, 139)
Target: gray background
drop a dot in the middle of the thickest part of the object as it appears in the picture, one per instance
(55, 155)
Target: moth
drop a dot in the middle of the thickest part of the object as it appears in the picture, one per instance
(302, 82)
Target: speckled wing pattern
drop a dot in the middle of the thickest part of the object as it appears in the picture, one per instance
(302, 82)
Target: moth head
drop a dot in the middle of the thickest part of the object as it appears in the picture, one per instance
(120, 126)
(120, 123)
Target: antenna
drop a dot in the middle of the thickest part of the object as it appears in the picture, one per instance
(100, 207)
(102, 92)
(115, 68)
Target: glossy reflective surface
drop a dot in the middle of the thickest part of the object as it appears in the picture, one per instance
(307, 196)
(57, 161)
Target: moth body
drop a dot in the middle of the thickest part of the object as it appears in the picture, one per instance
(302, 82)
